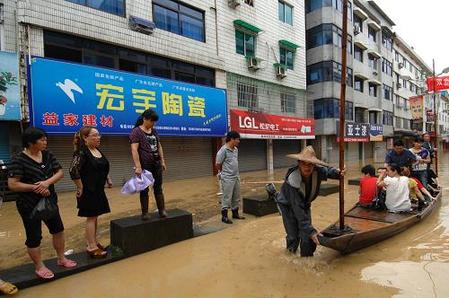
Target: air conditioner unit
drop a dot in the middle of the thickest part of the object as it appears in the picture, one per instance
(375, 73)
(356, 29)
(253, 63)
(234, 3)
(280, 71)
(399, 85)
(400, 65)
(141, 25)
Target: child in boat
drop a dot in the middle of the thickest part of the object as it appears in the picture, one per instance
(416, 189)
(368, 186)
(397, 190)
(425, 193)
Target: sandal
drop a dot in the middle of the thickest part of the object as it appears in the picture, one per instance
(44, 273)
(97, 253)
(8, 288)
(105, 248)
(66, 263)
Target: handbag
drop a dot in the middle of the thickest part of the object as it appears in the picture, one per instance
(378, 202)
(45, 209)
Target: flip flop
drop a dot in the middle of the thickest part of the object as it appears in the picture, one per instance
(8, 288)
(97, 253)
(66, 263)
(44, 273)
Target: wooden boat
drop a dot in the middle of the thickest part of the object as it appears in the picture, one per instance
(368, 227)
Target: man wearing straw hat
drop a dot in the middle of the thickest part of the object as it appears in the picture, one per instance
(300, 188)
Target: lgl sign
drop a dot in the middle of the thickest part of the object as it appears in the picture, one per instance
(267, 126)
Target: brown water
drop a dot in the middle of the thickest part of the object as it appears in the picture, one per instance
(249, 260)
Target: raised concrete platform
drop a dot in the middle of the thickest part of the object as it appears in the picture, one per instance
(259, 206)
(23, 276)
(327, 189)
(134, 236)
(355, 181)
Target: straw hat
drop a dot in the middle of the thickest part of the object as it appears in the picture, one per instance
(308, 155)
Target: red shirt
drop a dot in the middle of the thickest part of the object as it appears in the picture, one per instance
(420, 185)
(368, 189)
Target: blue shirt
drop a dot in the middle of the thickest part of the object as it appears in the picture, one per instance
(405, 159)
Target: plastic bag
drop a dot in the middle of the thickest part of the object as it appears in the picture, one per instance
(137, 184)
(45, 209)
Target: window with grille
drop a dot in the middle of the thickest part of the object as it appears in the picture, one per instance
(247, 95)
(288, 103)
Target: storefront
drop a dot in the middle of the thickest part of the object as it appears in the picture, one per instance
(267, 138)
(191, 116)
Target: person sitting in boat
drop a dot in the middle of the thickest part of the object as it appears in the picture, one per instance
(300, 188)
(432, 183)
(399, 155)
(368, 186)
(426, 196)
(416, 196)
(397, 191)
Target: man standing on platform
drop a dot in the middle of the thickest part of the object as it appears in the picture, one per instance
(300, 188)
(227, 164)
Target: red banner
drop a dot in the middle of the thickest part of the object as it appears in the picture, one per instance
(441, 83)
(266, 126)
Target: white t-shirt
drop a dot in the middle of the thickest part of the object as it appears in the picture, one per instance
(398, 194)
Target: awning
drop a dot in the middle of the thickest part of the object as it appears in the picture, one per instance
(374, 82)
(288, 44)
(360, 45)
(375, 109)
(361, 75)
(246, 26)
(375, 54)
(374, 25)
(360, 13)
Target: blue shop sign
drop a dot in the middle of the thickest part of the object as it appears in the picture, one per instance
(376, 133)
(9, 87)
(66, 96)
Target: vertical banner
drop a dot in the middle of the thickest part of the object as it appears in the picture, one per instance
(9, 87)
(416, 106)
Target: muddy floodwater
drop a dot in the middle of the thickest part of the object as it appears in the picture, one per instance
(249, 259)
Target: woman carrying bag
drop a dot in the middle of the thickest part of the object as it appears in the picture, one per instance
(89, 171)
(32, 175)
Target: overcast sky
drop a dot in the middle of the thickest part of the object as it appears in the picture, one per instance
(422, 24)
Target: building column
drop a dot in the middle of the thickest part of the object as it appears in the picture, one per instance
(270, 157)
(303, 144)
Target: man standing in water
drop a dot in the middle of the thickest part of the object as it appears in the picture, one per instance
(227, 164)
(300, 188)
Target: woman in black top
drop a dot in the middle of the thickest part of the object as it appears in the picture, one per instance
(32, 174)
(89, 171)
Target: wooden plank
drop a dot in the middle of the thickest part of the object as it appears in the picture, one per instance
(363, 225)
(382, 216)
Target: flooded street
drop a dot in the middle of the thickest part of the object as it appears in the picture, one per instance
(249, 259)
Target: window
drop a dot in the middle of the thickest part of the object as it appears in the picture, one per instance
(286, 57)
(327, 71)
(116, 7)
(396, 56)
(404, 84)
(388, 92)
(387, 41)
(358, 84)
(85, 51)
(372, 62)
(312, 5)
(372, 34)
(246, 95)
(387, 67)
(285, 13)
(358, 23)
(330, 108)
(387, 118)
(288, 103)
(410, 67)
(326, 34)
(358, 53)
(179, 18)
(245, 44)
(373, 117)
(360, 115)
(372, 89)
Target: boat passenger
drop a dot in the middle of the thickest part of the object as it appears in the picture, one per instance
(368, 186)
(399, 155)
(397, 190)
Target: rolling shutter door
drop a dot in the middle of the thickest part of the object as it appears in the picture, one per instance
(4, 145)
(283, 147)
(352, 152)
(252, 155)
(369, 148)
(187, 157)
(115, 148)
